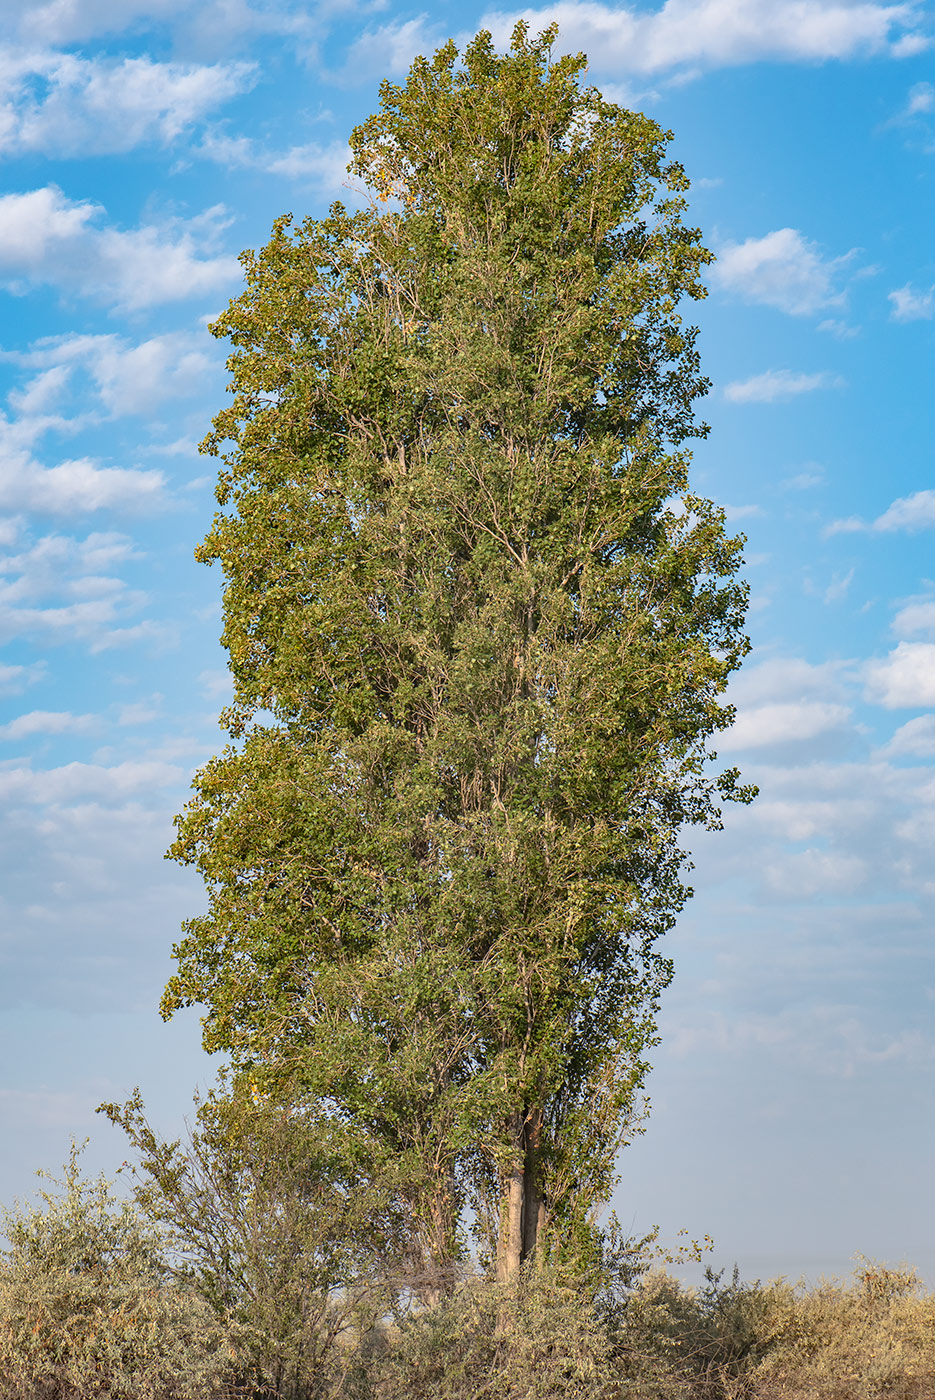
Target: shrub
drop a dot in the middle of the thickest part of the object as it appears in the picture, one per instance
(537, 1339)
(272, 1229)
(871, 1340)
(88, 1309)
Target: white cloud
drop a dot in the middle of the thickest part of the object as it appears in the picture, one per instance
(140, 712)
(70, 487)
(210, 26)
(790, 678)
(391, 47)
(775, 384)
(105, 106)
(816, 872)
(75, 487)
(732, 513)
(215, 685)
(910, 513)
(915, 512)
(65, 21)
(783, 722)
(127, 377)
(782, 269)
(829, 1039)
(42, 393)
(916, 616)
(910, 305)
(83, 781)
(915, 738)
(905, 679)
(837, 588)
(47, 722)
(839, 329)
(787, 699)
(325, 166)
(59, 588)
(15, 679)
(46, 238)
(803, 481)
(921, 100)
(711, 33)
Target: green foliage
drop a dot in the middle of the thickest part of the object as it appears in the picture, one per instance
(479, 629)
(88, 1309)
(270, 1226)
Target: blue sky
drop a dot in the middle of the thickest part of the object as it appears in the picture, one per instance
(143, 144)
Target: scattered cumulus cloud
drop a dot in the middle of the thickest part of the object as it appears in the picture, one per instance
(69, 21)
(915, 616)
(390, 48)
(699, 34)
(775, 384)
(841, 330)
(60, 588)
(783, 269)
(815, 872)
(909, 513)
(140, 712)
(732, 513)
(783, 722)
(216, 684)
(905, 679)
(85, 781)
(324, 166)
(685, 35)
(915, 512)
(787, 700)
(915, 738)
(921, 100)
(63, 104)
(15, 679)
(790, 678)
(804, 481)
(838, 587)
(834, 1040)
(126, 377)
(210, 26)
(48, 239)
(38, 722)
(76, 487)
(910, 305)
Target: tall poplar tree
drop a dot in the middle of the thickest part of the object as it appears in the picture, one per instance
(478, 629)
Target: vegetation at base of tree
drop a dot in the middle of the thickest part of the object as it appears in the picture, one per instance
(89, 1306)
(302, 1261)
(479, 629)
(101, 1301)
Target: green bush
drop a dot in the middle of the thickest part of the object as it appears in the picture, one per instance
(88, 1308)
(278, 1230)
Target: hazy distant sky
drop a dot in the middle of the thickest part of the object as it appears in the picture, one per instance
(144, 143)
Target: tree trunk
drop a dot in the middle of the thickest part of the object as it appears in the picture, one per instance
(522, 1205)
(510, 1238)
